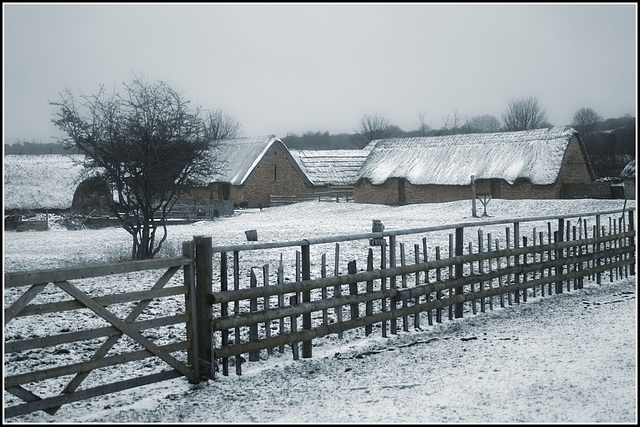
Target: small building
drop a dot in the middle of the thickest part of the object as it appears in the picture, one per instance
(248, 171)
(628, 176)
(331, 172)
(536, 164)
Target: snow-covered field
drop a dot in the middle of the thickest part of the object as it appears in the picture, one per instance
(569, 358)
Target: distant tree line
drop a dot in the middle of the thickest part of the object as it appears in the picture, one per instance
(610, 143)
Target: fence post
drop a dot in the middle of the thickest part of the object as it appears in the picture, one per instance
(459, 289)
(191, 310)
(306, 297)
(632, 242)
(204, 277)
(559, 254)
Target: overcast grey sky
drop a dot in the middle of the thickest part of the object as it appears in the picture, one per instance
(293, 68)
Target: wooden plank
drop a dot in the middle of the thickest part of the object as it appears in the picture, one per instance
(459, 308)
(88, 366)
(43, 404)
(106, 331)
(61, 306)
(99, 270)
(416, 253)
(18, 306)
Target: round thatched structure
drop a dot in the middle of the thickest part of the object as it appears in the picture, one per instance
(92, 196)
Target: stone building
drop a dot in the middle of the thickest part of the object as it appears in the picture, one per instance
(248, 171)
(536, 164)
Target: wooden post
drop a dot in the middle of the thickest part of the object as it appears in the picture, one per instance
(204, 279)
(459, 269)
(383, 284)
(323, 291)
(598, 248)
(438, 293)
(508, 246)
(426, 278)
(499, 277)
(516, 245)
(473, 197)
(253, 328)
(294, 328)
(405, 318)
(236, 306)
(353, 289)
(416, 253)
(281, 301)
(632, 242)
(481, 270)
(489, 269)
(224, 308)
(450, 291)
(337, 289)
(392, 263)
(369, 305)
(191, 309)
(267, 305)
(306, 297)
(471, 273)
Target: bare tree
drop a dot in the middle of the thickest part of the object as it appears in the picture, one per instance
(585, 121)
(451, 123)
(219, 125)
(146, 144)
(524, 114)
(423, 127)
(374, 127)
(482, 124)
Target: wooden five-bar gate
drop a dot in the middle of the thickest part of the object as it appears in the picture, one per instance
(239, 301)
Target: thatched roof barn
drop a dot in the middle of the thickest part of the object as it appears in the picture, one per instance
(539, 163)
(251, 170)
(41, 182)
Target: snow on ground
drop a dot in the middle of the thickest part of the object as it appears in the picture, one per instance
(569, 358)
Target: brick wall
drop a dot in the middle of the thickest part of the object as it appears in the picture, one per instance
(275, 174)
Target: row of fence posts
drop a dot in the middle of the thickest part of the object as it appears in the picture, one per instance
(456, 246)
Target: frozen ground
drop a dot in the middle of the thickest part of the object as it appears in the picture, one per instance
(569, 358)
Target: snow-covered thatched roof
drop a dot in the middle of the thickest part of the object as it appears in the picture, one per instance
(330, 167)
(237, 158)
(535, 155)
(629, 171)
(45, 181)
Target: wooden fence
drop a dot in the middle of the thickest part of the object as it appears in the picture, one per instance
(255, 311)
(88, 336)
(255, 308)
